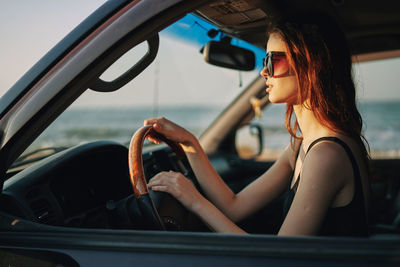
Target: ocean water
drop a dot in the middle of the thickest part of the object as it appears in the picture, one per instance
(381, 119)
(381, 127)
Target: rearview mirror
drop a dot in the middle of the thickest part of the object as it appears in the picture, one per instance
(229, 56)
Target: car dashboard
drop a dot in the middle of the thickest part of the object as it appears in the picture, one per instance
(82, 186)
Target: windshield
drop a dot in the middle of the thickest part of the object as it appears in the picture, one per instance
(178, 85)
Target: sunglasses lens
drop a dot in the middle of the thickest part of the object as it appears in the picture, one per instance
(270, 67)
(267, 65)
(276, 64)
(280, 65)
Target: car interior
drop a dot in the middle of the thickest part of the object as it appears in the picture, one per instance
(90, 186)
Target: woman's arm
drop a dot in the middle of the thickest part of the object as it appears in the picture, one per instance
(266, 188)
(326, 170)
(250, 199)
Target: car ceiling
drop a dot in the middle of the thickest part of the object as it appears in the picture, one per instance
(370, 26)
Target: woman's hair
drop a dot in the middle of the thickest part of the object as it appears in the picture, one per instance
(318, 54)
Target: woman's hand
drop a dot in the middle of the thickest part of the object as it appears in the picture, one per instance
(184, 191)
(170, 130)
(178, 186)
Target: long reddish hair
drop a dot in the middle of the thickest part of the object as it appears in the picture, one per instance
(319, 56)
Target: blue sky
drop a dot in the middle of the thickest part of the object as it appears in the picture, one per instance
(30, 28)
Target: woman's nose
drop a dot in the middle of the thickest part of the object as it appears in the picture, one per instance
(264, 73)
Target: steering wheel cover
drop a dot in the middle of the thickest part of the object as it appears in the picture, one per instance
(136, 172)
(137, 177)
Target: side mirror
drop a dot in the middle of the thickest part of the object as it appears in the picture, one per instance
(229, 56)
(249, 141)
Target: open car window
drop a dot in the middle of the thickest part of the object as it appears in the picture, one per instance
(377, 103)
(178, 85)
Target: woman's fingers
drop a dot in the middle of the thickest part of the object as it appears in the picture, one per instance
(172, 132)
(157, 124)
(151, 121)
(153, 140)
(164, 182)
(177, 185)
(164, 178)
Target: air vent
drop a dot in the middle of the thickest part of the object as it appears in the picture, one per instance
(41, 208)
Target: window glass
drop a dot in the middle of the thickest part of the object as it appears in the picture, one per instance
(379, 103)
(378, 97)
(178, 85)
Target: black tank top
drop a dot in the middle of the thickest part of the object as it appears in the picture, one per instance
(349, 220)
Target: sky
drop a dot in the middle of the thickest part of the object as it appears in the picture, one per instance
(29, 29)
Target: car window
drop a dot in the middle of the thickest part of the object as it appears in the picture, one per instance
(378, 98)
(178, 85)
(379, 104)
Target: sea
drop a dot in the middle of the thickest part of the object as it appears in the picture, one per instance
(81, 125)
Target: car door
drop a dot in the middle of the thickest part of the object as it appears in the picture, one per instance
(74, 66)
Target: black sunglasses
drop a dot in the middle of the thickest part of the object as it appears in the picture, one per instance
(276, 64)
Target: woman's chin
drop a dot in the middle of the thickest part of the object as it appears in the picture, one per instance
(273, 99)
(281, 100)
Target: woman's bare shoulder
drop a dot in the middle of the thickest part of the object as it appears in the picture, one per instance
(328, 160)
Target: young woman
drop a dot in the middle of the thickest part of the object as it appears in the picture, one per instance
(323, 172)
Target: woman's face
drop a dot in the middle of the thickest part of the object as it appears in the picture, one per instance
(281, 89)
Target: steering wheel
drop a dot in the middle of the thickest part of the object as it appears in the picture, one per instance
(137, 177)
